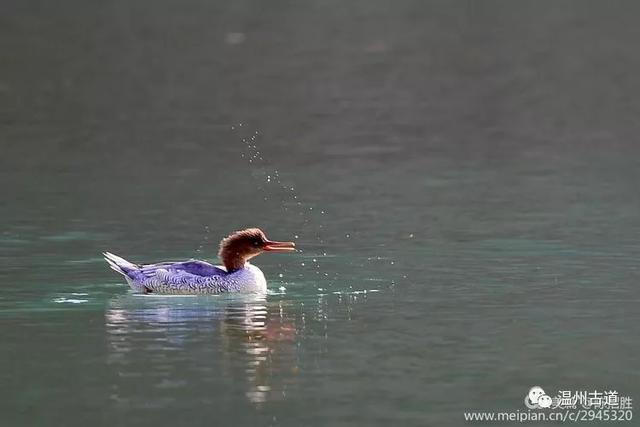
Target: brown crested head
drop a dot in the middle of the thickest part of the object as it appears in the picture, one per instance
(239, 247)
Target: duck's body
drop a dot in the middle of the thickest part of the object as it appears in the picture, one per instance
(188, 277)
(200, 277)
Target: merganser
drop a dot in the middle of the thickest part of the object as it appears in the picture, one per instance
(200, 277)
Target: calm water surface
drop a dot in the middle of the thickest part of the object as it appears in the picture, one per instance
(462, 181)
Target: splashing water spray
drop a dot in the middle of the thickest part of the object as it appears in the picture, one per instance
(270, 183)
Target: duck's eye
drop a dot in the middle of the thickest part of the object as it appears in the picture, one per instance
(256, 243)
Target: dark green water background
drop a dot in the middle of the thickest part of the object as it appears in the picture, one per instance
(473, 166)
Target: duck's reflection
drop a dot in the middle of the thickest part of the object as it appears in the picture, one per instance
(267, 337)
(241, 336)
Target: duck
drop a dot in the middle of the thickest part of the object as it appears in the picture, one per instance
(236, 274)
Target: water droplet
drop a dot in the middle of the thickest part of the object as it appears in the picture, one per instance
(296, 236)
(302, 264)
(347, 235)
(315, 260)
(281, 275)
(411, 236)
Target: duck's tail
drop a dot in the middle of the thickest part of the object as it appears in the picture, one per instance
(120, 265)
(129, 270)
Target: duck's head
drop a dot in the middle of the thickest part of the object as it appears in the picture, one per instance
(241, 246)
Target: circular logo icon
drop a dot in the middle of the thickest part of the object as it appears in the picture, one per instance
(537, 398)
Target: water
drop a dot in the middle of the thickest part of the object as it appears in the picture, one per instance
(464, 176)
